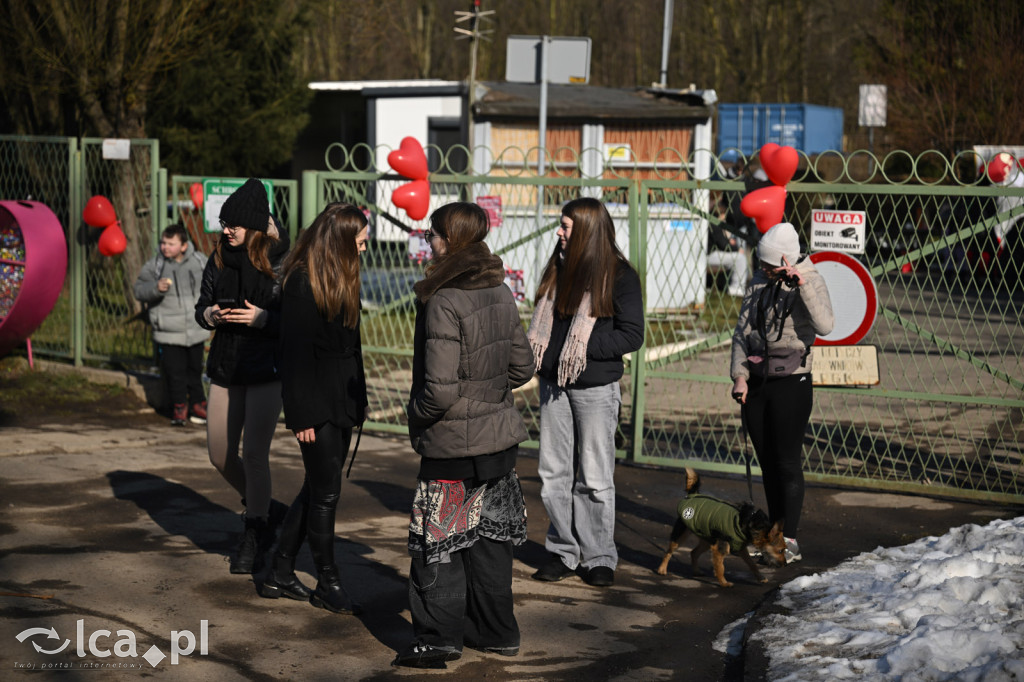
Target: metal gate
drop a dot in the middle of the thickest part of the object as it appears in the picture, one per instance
(95, 317)
(946, 417)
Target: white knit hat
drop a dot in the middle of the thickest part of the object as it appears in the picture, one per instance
(777, 242)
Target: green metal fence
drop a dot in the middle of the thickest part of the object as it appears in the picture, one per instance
(97, 319)
(946, 416)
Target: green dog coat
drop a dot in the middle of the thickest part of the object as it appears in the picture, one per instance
(713, 519)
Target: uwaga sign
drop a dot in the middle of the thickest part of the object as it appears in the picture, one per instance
(102, 645)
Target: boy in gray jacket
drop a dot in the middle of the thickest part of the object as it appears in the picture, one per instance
(169, 284)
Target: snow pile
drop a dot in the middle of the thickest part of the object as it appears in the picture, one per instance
(946, 608)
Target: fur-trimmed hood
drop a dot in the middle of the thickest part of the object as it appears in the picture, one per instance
(473, 267)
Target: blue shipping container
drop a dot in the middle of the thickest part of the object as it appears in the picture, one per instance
(809, 128)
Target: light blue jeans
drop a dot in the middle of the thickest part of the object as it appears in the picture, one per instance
(577, 472)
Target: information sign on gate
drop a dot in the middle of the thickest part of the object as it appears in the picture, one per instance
(838, 230)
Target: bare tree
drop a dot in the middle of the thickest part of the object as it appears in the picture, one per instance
(953, 70)
(83, 66)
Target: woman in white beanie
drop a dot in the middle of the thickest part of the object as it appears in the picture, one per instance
(786, 305)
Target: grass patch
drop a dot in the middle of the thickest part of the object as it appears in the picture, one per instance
(33, 396)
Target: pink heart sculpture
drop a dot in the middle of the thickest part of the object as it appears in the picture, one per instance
(779, 163)
(414, 197)
(765, 206)
(409, 159)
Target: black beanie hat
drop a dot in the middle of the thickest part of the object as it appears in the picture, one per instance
(247, 207)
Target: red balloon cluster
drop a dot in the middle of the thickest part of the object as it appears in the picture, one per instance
(98, 212)
(410, 161)
(766, 205)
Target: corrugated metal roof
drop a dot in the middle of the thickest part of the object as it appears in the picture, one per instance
(583, 102)
(363, 85)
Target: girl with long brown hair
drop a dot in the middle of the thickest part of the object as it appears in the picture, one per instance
(589, 313)
(324, 393)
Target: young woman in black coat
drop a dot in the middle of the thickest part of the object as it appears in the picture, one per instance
(239, 298)
(324, 393)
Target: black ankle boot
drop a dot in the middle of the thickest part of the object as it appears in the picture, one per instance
(282, 581)
(330, 595)
(248, 557)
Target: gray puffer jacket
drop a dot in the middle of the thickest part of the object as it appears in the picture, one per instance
(810, 315)
(172, 313)
(470, 352)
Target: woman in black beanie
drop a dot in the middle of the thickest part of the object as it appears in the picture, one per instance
(240, 299)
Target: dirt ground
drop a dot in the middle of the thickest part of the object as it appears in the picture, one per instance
(113, 520)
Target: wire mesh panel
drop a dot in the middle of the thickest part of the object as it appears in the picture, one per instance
(946, 415)
(116, 331)
(39, 169)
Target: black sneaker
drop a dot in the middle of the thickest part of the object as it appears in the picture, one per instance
(500, 650)
(599, 576)
(553, 571)
(427, 656)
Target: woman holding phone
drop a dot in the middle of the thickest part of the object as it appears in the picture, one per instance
(786, 306)
(240, 300)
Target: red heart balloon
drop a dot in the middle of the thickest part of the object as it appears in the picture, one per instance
(409, 159)
(765, 206)
(779, 163)
(98, 212)
(414, 197)
(196, 192)
(112, 241)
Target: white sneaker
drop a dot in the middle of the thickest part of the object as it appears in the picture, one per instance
(792, 551)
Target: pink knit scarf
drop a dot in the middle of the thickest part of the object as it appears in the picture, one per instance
(573, 359)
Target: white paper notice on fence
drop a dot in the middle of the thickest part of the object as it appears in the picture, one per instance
(117, 149)
(838, 230)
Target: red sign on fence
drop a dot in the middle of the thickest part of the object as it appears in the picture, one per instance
(492, 205)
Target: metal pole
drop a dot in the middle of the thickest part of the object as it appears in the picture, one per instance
(471, 94)
(542, 128)
(666, 39)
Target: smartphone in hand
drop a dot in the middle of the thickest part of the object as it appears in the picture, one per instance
(227, 303)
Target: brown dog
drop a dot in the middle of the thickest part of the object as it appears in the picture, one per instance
(721, 526)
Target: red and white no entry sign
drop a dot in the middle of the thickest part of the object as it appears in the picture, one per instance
(854, 297)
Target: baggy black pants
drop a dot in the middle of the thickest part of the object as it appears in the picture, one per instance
(465, 601)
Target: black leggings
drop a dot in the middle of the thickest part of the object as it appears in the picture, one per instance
(777, 413)
(311, 515)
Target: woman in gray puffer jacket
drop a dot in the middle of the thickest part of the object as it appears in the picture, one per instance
(786, 306)
(468, 512)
